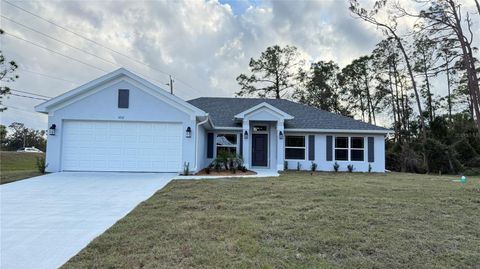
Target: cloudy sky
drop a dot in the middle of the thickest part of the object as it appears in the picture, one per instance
(204, 45)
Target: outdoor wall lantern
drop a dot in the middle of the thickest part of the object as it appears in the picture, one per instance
(189, 132)
(280, 135)
(245, 134)
(51, 130)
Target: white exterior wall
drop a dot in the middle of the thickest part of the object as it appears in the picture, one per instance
(321, 154)
(102, 105)
(202, 160)
(276, 148)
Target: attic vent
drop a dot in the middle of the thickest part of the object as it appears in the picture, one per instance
(123, 98)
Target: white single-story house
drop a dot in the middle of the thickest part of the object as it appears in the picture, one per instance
(122, 122)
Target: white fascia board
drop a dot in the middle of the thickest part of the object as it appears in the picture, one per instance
(227, 128)
(44, 107)
(283, 114)
(224, 128)
(339, 131)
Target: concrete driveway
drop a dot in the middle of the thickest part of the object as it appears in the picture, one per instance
(48, 219)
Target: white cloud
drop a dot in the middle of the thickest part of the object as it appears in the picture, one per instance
(204, 44)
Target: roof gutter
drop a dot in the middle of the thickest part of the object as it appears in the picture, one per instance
(339, 131)
(207, 119)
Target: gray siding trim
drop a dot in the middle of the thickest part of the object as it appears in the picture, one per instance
(241, 145)
(371, 149)
(210, 145)
(311, 147)
(329, 148)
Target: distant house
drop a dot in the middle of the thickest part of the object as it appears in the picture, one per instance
(122, 122)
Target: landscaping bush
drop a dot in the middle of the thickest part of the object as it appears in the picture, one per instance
(238, 162)
(336, 166)
(229, 162)
(350, 168)
(313, 167)
(223, 159)
(41, 164)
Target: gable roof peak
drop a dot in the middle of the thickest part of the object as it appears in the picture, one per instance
(81, 92)
(264, 105)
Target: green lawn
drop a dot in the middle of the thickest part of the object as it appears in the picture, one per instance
(17, 165)
(298, 221)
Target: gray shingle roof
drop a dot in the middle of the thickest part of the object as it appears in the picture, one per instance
(223, 110)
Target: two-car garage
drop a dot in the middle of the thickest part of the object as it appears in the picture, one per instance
(121, 122)
(121, 146)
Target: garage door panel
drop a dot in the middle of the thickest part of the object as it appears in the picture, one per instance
(121, 146)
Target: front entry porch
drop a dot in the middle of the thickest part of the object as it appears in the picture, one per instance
(262, 144)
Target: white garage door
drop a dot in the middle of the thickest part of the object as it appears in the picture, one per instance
(121, 146)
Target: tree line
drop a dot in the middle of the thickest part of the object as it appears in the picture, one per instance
(432, 133)
(21, 136)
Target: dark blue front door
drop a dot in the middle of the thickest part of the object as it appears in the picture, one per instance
(259, 149)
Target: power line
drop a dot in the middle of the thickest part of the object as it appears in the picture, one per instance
(97, 43)
(39, 95)
(65, 43)
(48, 76)
(31, 97)
(60, 41)
(81, 36)
(24, 110)
(45, 48)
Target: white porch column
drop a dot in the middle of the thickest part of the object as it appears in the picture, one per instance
(280, 145)
(246, 143)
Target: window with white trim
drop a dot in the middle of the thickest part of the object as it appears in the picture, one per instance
(341, 148)
(357, 146)
(349, 148)
(295, 148)
(226, 142)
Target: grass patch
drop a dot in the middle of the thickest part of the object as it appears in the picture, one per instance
(18, 165)
(298, 221)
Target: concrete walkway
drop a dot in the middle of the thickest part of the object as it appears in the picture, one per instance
(48, 219)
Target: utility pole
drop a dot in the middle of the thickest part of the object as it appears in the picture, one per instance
(171, 84)
(24, 137)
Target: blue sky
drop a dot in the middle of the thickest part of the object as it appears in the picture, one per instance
(240, 6)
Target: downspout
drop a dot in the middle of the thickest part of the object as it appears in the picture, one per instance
(196, 140)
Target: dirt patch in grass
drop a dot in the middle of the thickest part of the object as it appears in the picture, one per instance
(298, 220)
(203, 172)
